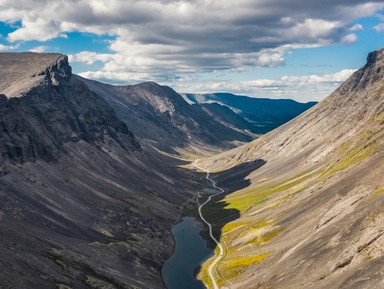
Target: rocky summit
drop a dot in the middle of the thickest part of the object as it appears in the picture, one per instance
(80, 204)
(311, 216)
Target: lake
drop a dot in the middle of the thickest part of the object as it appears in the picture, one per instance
(191, 250)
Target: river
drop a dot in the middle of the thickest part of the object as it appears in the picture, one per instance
(191, 250)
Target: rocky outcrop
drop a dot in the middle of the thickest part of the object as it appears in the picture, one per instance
(55, 110)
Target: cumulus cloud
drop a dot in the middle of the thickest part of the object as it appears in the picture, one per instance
(301, 88)
(192, 32)
(379, 27)
(39, 49)
(357, 27)
(349, 38)
(90, 57)
(335, 78)
(166, 39)
(8, 47)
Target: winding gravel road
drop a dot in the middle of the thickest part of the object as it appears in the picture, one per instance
(221, 249)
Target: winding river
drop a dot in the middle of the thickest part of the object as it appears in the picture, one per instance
(191, 250)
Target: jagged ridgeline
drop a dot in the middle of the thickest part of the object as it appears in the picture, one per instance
(82, 205)
(312, 216)
(43, 107)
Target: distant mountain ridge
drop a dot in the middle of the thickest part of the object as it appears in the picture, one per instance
(161, 117)
(266, 114)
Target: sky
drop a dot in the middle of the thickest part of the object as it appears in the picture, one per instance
(298, 49)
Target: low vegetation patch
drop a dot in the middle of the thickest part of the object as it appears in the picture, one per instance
(233, 267)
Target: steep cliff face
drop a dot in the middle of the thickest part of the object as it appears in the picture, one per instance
(311, 217)
(81, 204)
(36, 122)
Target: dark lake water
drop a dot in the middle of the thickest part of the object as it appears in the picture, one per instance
(190, 251)
(211, 190)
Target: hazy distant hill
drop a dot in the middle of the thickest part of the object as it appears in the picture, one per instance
(312, 215)
(266, 114)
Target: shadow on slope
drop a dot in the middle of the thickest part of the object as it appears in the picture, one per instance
(217, 212)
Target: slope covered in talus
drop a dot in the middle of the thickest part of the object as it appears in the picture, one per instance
(81, 204)
(161, 118)
(312, 216)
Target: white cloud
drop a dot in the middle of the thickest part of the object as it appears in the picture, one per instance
(39, 49)
(301, 88)
(357, 27)
(8, 47)
(89, 57)
(312, 29)
(379, 27)
(349, 38)
(166, 39)
(335, 78)
(36, 29)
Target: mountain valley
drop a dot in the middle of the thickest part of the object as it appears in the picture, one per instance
(94, 176)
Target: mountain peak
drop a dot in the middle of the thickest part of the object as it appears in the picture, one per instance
(22, 71)
(375, 57)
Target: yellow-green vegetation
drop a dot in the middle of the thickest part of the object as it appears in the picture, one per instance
(203, 274)
(245, 199)
(378, 192)
(233, 267)
(245, 237)
(236, 214)
(359, 147)
(235, 225)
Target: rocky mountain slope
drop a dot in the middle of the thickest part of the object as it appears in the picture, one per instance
(312, 215)
(265, 114)
(82, 205)
(161, 118)
(226, 116)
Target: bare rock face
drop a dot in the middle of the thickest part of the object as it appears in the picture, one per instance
(160, 117)
(21, 71)
(81, 204)
(36, 120)
(311, 217)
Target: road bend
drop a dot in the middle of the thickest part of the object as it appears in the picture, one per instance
(221, 249)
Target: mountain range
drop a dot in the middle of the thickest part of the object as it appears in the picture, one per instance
(312, 215)
(80, 200)
(94, 176)
(264, 113)
(90, 177)
(160, 118)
